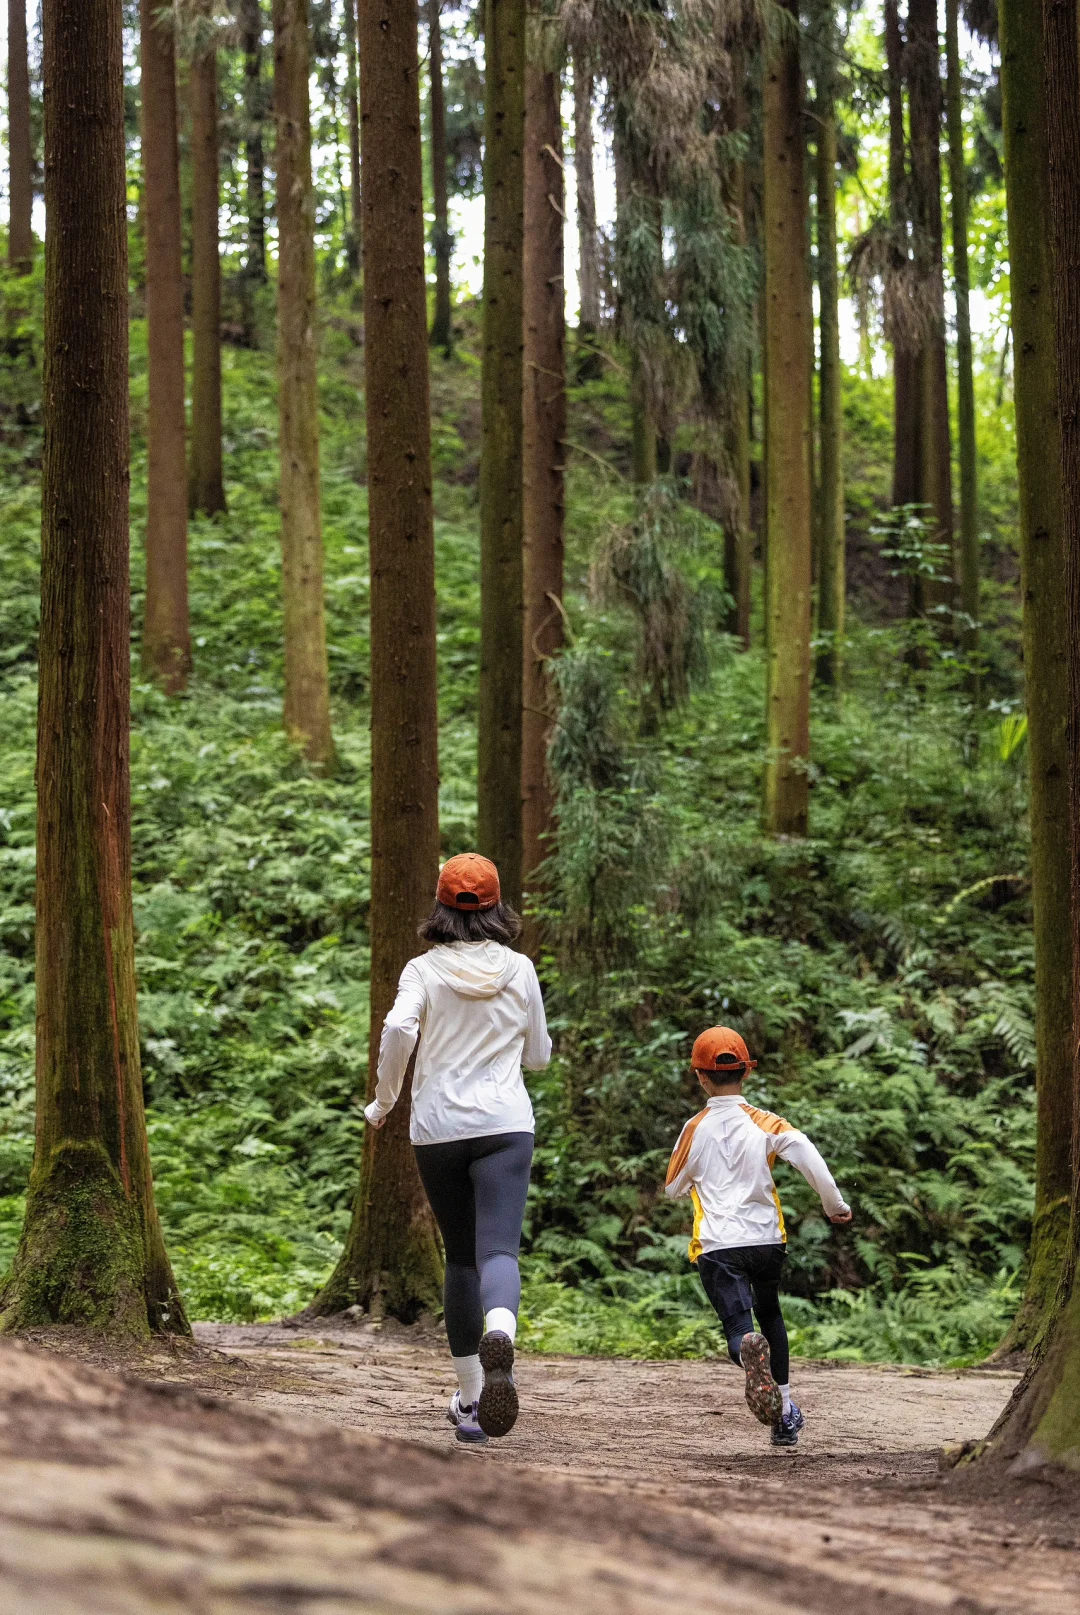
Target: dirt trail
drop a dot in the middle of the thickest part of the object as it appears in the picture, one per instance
(626, 1489)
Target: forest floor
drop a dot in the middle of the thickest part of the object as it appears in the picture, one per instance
(271, 1469)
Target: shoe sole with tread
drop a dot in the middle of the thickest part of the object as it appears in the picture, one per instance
(497, 1411)
(762, 1392)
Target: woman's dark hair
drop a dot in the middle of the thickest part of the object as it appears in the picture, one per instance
(446, 924)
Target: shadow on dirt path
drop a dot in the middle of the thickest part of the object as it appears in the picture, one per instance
(265, 1470)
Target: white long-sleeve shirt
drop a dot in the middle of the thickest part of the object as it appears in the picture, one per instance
(477, 1010)
(723, 1161)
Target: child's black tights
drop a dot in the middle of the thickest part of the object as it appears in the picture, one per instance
(743, 1280)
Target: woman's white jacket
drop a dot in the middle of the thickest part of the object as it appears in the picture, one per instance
(477, 1010)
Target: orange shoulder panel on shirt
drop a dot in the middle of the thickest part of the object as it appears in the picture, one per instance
(682, 1149)
(767, 1121)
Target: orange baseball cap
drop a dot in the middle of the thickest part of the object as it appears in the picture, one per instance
(721, 1049)
(469, 882)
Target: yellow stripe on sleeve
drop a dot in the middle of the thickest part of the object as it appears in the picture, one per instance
(695, 1247)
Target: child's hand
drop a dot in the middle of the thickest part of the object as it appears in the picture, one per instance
(842, 1216)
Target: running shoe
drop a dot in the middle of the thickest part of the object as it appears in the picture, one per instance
(497, 1409)
(762, 1392)
(464, 1419)
(785, 1431)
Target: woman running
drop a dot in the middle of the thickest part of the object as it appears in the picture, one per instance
(476, 1008)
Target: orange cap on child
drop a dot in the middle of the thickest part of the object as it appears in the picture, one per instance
(721, 1049)
(469, 882)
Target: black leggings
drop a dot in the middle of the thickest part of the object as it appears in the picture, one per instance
(745, 1276)
(477, 1189)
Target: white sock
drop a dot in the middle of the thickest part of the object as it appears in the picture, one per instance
(470, 1378)
(503, 1319)
(785, 1392)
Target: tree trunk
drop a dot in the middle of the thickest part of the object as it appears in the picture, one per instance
(307, 678)
(1042, 1422)
(787, 444)
(589, 365)
(251, 22)
(1038, 452)
(969, 486)
(739, 543)
(831, 579)
(20, 144)
(738, 535)
(391, 1258)
(166, 630)
(934, 451)
(501, 507)
(206, 489)
(91, 1251)
(355, 241)
(905, 410)
(544, 457)
(442, 242)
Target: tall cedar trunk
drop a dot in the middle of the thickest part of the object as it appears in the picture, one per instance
(738, 534)
(965, 415)
(391, 1258)
(588, 240)
(307, 678)
(831, 578)
(1038, 453)
(166, 629)
(206, 489)
(354, 243)
(251, 22)
(905, 401)
(739, 543)
(1042, 1422)
(934, 452)
(544, 456)
(787, 444)
(91, 1251)
(501, 504)
(442, 244)
(20, 144)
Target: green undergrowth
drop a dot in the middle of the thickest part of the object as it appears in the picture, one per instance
(882, 970)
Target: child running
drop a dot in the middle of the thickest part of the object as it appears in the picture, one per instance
(475, 1006)
(723, 1161)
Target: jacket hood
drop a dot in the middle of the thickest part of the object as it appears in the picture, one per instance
(473, 969)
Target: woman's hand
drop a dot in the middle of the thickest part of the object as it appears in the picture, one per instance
(378, 1122)
(842, 1216)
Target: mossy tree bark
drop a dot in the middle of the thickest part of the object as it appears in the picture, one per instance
(20, 144)
(501, 495)
(166, 650)
(589, 364)
(905, 363)
(1038, 453)
(832, 586)
(544, 457)
(354, 242)
(206, 487)
(787, 443)
(934, 485)
(442, 242)
(391, 1259)
(1042, 1422)
(307, 675)
(965, 378)
(91, 1251)
(251, 29)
